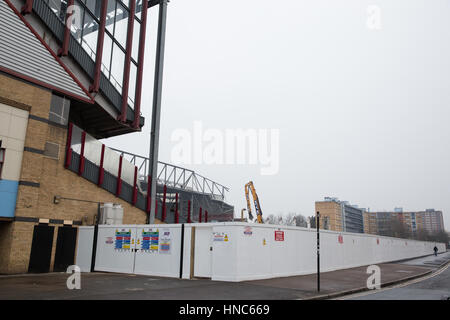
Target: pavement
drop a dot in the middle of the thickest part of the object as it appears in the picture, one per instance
(108, 286)
(435, 286)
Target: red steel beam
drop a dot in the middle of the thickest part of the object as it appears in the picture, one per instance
(189, 212)
(99, 53)
(68, 146)
(64, 50)
(119, 177)
(164, 204)
(101, 173)
(27, 8)
(126, 70)
(140, 70)
(135, 186)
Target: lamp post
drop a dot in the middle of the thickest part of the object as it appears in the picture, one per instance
(318, 250)
(57, 200)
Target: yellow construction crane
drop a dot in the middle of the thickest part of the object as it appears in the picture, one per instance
(255, 200)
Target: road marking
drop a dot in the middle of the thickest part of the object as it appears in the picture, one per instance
(401, 285)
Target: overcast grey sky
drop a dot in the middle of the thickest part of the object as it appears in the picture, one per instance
(363, 114)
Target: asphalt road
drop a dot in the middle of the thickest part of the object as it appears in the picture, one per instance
(100, 285)
(433, 287)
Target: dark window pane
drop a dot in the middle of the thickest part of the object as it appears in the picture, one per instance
(59, 110)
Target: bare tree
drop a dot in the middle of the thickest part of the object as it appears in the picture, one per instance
(300, 221)
(399, 229)
(289, 220)
(422, 235)
(312, 221)
(271, 219)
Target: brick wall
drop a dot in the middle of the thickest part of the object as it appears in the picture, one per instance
(48, 178)
(332, 210)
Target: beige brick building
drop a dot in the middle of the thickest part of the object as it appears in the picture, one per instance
(370, 223)
(41, 178)
(62, 89)
(330, 215)
(48, 80)
(340, 215)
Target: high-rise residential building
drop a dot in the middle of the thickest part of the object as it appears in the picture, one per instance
(382, 222)
(340, 215)
(432, 220)
(370, 222)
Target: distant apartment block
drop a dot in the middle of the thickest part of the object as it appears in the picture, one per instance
(432, 220)
(370, 223)
(340, 215)
(381, 222)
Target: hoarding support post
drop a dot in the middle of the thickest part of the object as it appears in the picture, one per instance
(94, 242)
(181, 251)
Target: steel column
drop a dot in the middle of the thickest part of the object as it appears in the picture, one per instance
(119, 177)
(134, 200)
(200, 215)
(27, 8)
(157, 94)
(126, 71)
(140, 71)
(64, 50)
(68, 146)
(101, 172)
(99, 54)
(164, 204)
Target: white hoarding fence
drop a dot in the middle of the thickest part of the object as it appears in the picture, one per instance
(235, 251)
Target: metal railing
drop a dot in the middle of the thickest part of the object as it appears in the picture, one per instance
(176, 177)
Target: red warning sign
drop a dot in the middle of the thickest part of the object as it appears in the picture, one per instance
(279, 235)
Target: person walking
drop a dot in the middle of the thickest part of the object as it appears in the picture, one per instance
(435, 250)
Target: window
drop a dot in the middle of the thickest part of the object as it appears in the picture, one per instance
(2, 159)
(59, 110)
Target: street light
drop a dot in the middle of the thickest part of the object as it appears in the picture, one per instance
(318, 250)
